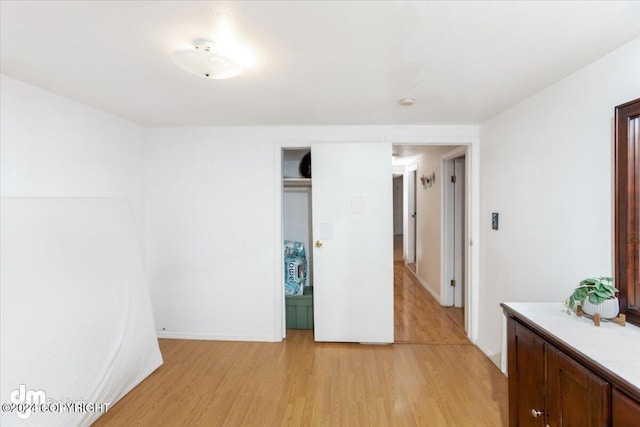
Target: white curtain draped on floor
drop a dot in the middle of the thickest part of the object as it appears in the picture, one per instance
(76, 317)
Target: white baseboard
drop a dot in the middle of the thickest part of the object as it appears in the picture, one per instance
(215, 337)
(495, 358)
(425, 285)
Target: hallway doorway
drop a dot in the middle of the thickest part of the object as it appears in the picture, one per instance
(434, 260)
(418, 317)
(398, 216)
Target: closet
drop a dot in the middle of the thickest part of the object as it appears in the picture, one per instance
(297, 227)
(345, 224)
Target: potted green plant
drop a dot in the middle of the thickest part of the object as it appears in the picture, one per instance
(596, 295)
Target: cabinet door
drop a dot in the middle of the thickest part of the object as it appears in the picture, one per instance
(626, 412)
(576, 396)
(526, 377)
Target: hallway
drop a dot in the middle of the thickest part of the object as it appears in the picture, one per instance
(418, 317)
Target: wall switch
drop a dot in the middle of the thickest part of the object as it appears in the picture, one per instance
(358, 204)
(494, 220)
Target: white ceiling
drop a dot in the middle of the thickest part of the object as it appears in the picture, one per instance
(316, 62)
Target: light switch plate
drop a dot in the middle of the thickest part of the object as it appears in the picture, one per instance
(358, 204)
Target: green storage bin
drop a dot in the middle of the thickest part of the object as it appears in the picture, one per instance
(299, 310)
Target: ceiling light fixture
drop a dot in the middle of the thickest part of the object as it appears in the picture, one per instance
(405, 102)
(204, 61)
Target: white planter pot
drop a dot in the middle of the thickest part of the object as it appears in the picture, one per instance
(607, 309)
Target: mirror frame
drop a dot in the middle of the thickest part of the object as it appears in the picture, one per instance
(627, 207)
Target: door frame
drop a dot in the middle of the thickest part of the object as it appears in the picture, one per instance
(470, 146)
(409, 243)
(473, 226)
(446, 267)
(280, 332)
(398, 213)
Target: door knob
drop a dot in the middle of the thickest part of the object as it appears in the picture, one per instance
(318, 244)
(535, 413)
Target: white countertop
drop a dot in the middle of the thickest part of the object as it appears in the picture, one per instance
(614, 347)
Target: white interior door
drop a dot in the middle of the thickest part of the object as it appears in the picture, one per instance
(458, 230)
(411, 216)
(353, 242)
(397, 205)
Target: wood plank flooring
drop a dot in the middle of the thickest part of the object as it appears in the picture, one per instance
(418, 318)
(397, 248)
(302, 383)
(298, 382)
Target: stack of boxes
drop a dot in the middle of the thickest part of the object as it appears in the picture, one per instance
(299, 298)
(295, 268)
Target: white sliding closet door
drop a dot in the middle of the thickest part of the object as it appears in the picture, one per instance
(353, 242)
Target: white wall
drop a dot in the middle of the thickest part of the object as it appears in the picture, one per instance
(429, 221)
(547, 169)
(209, 233)
(210, 197)
(53, 147)
(213, 227)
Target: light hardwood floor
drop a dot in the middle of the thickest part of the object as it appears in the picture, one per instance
(418, 318)
(397, 248)
(447, 382)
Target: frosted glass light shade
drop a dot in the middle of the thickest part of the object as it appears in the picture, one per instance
(203, 61)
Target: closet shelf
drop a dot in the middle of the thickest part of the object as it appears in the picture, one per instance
(296, 182)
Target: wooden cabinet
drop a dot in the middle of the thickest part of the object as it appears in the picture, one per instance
(626, 411)
(551, 384)
(575, 396)
(526, 356)
(546, 387)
